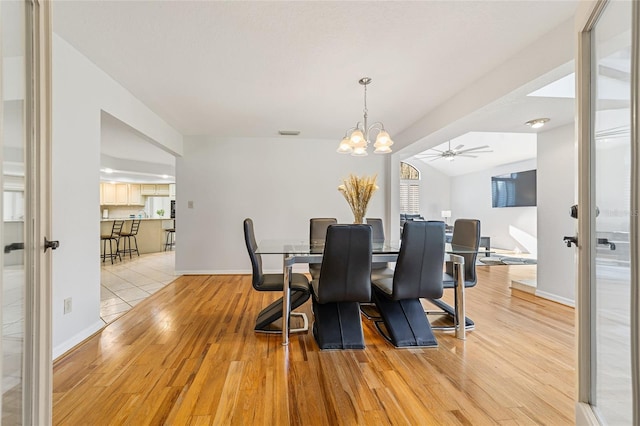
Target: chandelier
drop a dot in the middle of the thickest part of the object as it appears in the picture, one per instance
(356, 139)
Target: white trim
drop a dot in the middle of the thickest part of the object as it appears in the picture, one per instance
(585, 416)
(214, 272)
(586, 219)
(555, 298)
(635, 208)
(76, 339)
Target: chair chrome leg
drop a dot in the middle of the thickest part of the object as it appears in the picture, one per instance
(305, 325)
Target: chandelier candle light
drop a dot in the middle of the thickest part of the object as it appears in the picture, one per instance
(356, 139)
(358, 191)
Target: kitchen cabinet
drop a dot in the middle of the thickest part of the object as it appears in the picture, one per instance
(135, 194)
(160, 189)
(172, 191)
(107, 193)
(120, 194)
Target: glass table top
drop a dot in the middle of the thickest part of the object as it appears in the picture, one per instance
(304, 247)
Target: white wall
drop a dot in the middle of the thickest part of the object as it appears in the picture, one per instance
(510, 227)
(278, 182)
(556, 194)
(435, 190)
(80, 92)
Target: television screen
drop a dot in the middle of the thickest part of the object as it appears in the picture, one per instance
(514, 189)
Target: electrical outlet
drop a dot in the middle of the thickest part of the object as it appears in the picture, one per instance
(67, 305)
(189, 204)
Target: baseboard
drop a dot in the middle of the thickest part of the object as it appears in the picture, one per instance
(75, 340)
(527, 286)
(213, 272)
(298, 268)
(556, 298)
(527, 290)
(585, 416)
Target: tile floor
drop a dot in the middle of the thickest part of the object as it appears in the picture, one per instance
(128, 282)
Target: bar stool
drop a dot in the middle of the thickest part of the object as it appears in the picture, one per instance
(135, 225)
(113, 236)
(170, 239)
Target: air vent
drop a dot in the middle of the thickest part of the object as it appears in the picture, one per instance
(289, 132)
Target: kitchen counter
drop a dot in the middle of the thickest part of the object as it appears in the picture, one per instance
(151, 234)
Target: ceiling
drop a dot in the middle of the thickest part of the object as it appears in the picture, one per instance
(253, 68)
(505, 148)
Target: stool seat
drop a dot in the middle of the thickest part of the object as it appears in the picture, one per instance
(170, 237)
(114, 236)
(127, 235)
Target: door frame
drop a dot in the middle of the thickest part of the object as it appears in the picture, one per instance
(40, 378)
(585, 98)
(41, 382)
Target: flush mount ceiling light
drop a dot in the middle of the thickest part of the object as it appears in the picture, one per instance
(356, 140)
(289, 132)
(537, 123)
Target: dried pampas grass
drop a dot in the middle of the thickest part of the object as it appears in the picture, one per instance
(358, 191)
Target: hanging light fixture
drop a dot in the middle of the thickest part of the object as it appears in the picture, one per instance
(356, 139)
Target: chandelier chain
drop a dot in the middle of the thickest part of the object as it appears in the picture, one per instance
(356, 139)
(365, 100)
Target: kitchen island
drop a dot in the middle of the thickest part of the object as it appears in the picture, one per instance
(151, 234)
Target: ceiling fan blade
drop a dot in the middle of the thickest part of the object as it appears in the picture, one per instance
(457, 148)
(436, 158)
(428, 155)
(475, 149)
(467, 155)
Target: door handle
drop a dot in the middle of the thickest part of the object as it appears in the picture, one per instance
(50, 244)
(570, 240)
(13, 246)
(606, 242)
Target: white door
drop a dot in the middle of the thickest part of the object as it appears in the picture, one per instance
(25, 286)
(607, 230)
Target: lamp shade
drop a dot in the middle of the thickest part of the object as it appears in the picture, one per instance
(359, 151)
(446, 213)
(357, 138)
(382, 150)
(345, 146)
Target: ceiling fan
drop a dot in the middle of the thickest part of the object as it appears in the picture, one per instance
(451, 153)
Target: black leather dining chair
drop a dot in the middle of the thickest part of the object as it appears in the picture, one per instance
(344, 281)
(378, 269)
(466, 233)
(418, 274)
(317, 234)
(299, 288)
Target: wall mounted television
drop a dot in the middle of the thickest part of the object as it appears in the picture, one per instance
(514, 189)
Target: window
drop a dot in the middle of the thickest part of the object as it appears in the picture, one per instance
(409, 189)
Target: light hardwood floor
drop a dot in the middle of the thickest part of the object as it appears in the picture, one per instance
(188, 355)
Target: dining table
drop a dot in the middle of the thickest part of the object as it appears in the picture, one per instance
(303, 251)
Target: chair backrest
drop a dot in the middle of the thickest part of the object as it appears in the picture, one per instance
(345, 274)
(466, 232)
(252, 247)
(116, 228)
(318, 229)
(418, 271)
(377, 229)
(135, 225)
